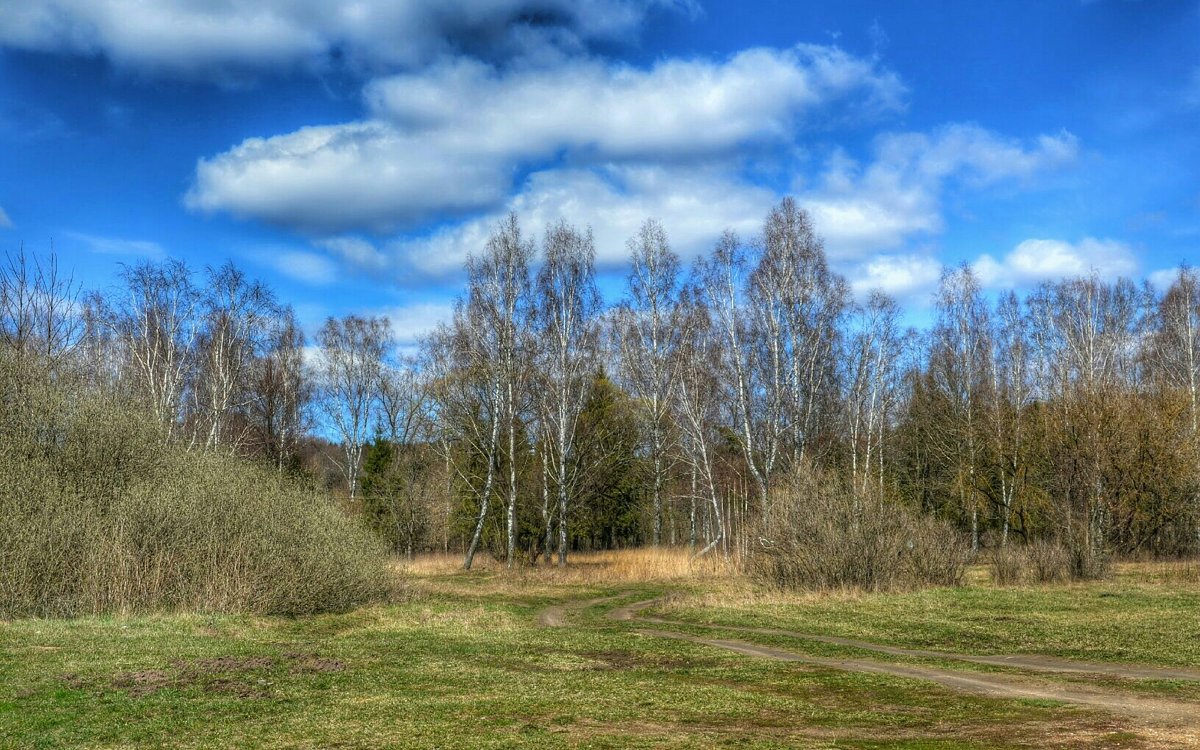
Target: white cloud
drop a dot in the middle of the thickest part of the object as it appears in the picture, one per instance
(694, 206)
(1163, 278)
(355, 251)
(1036, 260)
(305, 267)
(118, 245)
(189, 37)
(413, 321)
(5, 222)
(865, 209)
(973, 153)
(904, 277)
(862, 212)
(676, 108)
(450, 140)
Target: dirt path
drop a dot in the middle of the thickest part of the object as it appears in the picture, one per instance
(555, 616)
(1031, 662)
(1181, 715)
(1176, 713)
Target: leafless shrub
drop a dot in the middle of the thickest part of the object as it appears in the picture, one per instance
(1085, 562)
(1040, 561)
(1009, 565)
(101, 516)
(1048, 561)
(822, 535)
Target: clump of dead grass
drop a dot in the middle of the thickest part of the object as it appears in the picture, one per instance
(611, 567)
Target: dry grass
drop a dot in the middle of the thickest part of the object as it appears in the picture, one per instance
(613, 567)
(1177, 572)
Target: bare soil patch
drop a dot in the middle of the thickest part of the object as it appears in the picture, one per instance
(238, 676)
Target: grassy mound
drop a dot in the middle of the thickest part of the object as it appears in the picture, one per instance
(101, 516)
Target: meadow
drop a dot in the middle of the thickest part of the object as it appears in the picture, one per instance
(641, 648)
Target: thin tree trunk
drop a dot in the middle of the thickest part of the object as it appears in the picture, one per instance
(512, 477)
(487, 486)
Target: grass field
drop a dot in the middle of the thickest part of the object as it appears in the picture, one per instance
(532, 659)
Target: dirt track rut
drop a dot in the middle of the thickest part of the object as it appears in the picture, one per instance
(1181, 715)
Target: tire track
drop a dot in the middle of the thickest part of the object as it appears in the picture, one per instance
(1182, 715)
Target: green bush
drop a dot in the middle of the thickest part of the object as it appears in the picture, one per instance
(100, 516)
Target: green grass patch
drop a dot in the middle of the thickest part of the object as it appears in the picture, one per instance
(1132, 618)
(466, 668)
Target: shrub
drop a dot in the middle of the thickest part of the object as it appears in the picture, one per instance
(820, 535)
(100, 516)
(1009, 565)
(1040, 561)
(1085, 562)
(1048, 561)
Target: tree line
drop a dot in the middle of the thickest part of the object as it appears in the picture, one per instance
(537, 420)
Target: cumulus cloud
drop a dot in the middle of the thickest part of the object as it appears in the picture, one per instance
(5, 222)
(878, 206)
(862, 212)
(1163, 278)
(305, 267)
(694, 206)
(904, 277)
(452, 139)
(414, 320)
(1036, 260)
(188, 37)
(676, 108)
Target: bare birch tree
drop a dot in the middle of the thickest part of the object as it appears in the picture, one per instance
(236, 314)
(875, 349)
(281, 390)
(465, 387)
(490, 341)
(154, 318)
(565, 327)
(960, 364)
(352, 352)
(752, 358)
(697, 402)
(801, 305)
(1011, 395)
(647, 339)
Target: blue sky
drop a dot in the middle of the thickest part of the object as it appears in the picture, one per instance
(352, 153)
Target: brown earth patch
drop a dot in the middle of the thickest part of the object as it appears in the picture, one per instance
(216, 675)
(143, 682)
(555, 616)
(219, 664)
(617, 660)
(313, 664)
